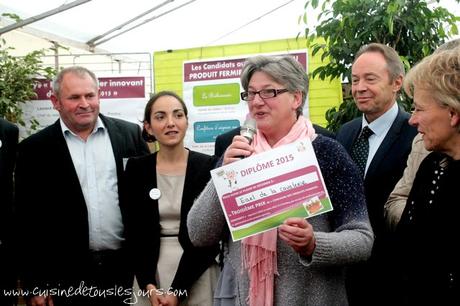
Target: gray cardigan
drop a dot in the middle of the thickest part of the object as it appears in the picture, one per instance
(343, 236)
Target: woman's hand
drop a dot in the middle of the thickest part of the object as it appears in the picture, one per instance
(298, 233)
(171, 300)
(155, 298)
(239, 148)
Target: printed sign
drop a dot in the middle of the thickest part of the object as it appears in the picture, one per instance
(258, 193)
(120, 97)
(211, 91)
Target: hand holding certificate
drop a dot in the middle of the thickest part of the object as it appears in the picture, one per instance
(260, 192)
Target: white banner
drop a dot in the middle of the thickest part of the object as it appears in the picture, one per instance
(121, 97)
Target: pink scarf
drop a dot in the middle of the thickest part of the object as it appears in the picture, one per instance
(259, 251)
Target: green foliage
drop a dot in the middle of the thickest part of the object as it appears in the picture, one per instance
(17, 79)
(411, 27)
(15, 17)
(347, 109)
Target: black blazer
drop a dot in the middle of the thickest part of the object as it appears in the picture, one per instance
(225, 139)
(143, 227)
(387, 166)
(52, 213)
(9, 140)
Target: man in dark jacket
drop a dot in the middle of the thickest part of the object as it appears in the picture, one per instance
(8, 145)
(379, 142)
(67, 180)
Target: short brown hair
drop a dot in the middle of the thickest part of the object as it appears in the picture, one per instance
(395, 66)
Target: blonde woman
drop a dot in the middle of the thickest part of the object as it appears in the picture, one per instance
(428, 229)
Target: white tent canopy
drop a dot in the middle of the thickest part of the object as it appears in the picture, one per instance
(165, 24)
(177, 24)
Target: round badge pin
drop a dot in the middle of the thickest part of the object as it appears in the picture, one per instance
(155, 193)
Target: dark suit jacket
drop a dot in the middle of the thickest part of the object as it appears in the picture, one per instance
(143, 227)
(52, 213)
(9, 140)
(225, 139)
(386, 167)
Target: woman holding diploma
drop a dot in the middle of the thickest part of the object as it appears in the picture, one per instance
(161, 188)
(301, 262)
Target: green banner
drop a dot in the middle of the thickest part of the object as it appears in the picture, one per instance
(217, 94)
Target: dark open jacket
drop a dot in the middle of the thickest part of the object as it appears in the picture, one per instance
(51, 212)
(142, 216)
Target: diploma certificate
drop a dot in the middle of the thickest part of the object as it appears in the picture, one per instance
(259, 192)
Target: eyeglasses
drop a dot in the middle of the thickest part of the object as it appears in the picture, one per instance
(264, 94)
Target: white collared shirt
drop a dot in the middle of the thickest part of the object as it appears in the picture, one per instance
(95, 165)
(380, 127)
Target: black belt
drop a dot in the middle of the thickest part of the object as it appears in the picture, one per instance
(168, 235)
